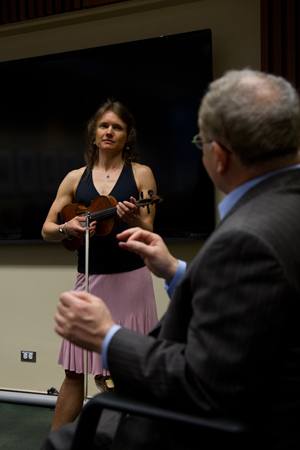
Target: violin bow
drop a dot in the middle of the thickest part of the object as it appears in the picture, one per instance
(87, 249)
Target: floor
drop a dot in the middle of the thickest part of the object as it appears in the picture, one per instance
(24, 427)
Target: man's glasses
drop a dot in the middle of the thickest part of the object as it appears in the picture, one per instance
(199, 143)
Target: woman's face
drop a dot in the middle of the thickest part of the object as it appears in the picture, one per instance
(111, 133)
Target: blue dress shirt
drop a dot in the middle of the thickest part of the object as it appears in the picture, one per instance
(228, 202)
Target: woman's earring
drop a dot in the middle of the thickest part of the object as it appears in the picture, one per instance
(127, 146)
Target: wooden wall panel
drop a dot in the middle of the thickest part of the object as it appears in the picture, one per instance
(58, 7)
(67, 5)
(30, 6)
(289, 55)
(49, 7)
(280, 38)
(22, 10)
(4, 14)
(12, 11)
(91, 3)
(76, 4)
(39, 8)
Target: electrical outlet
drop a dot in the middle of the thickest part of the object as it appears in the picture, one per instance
(28, 356)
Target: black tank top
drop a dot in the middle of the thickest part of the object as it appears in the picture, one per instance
(105, 256)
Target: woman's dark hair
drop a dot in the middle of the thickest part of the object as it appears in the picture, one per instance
(129, 151)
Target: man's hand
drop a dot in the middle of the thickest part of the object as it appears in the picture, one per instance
(83, 319)
(152, 250)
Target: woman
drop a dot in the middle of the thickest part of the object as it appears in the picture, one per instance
(117, 276)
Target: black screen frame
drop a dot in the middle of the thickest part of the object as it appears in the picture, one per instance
(161, 80)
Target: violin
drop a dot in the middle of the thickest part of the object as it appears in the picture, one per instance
(103, 210)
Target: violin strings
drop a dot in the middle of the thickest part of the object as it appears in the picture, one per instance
(106, 213)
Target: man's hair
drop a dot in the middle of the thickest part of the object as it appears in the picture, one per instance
(256, 115)
(129, 152)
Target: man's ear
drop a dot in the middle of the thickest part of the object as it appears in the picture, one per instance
(222, 157)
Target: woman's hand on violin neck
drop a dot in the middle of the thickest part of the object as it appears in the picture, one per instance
(129, 213)
(76, 227)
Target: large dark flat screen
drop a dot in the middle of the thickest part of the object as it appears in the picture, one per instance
(46, 102)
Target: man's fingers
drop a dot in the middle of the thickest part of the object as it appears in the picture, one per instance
(71, 301)
(65, 298)
(136, 240)
(137, 234)
(137, 247)
(69, 296)
(58, 329)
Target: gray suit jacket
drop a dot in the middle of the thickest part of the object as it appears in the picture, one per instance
(229, 342)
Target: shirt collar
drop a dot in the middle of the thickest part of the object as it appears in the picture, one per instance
(231, 199)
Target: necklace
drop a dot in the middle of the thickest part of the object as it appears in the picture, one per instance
(108, 174)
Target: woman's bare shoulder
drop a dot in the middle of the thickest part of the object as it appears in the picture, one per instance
(73, 177)
(144, 177)
(69, 184)
(75, 174)
(141, 169)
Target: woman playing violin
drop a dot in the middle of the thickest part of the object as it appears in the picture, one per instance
(119, 277)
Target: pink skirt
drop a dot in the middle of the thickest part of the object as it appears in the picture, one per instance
(130, 299)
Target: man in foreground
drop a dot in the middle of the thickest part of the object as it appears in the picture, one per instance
(229, 343)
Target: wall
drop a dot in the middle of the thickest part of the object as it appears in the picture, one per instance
(33, 276)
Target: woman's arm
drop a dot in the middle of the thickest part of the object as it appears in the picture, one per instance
(129, 213)
(65, 195)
